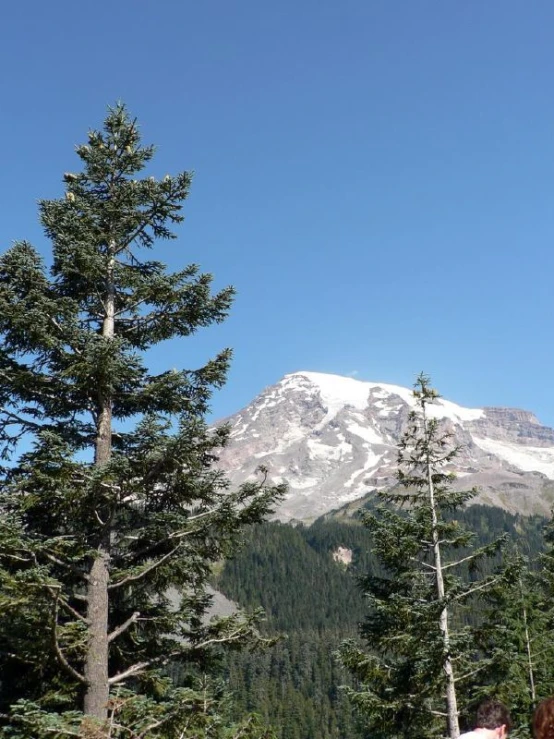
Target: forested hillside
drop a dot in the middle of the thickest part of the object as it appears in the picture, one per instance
(314, 603)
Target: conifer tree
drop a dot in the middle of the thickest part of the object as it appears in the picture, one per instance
(112, 509)
(419, 656)
(517, 634)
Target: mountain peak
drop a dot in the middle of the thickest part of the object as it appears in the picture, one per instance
(333, 439)
(339, 391)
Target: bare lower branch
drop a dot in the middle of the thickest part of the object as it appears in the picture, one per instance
(155, 725)
(60, 599)
(460, 561)
(164, 659)
(243, 729)
(226, 639)
(140, 667)
(482, 586)
(18, 559)
(424, 564)
(470, 674)
(67, 565)
(102, 523)
(59, 654)
(124, 626)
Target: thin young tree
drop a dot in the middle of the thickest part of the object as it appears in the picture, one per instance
(419, 653)
(112, 509)
(516, 632)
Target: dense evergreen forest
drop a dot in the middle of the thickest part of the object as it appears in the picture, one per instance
(314, 602)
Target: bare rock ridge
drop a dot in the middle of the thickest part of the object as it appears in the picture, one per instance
(334, 439)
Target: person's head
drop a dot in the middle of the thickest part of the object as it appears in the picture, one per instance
(543, 720)
(494, 715)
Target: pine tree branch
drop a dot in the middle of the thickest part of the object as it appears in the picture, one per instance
(67, 565)
(128, 309)
(148, 569)
(16, 558)
(123, 627)
(19, 658)
(63, 336)
(140, 667)
(155, 725)
(470, 674)
(171, 537)
(234, 636)
(481, 586)
(148, 220)
(424, 564)
(243, 729)
(59, 653)
(162, 660)
(144, 733)
(461, 561)
(56, 594)
(19, 420)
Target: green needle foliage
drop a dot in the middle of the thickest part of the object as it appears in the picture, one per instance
(112, 509)
(517, 632)
(420, 655)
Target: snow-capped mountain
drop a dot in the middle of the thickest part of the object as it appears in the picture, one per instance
(333, 439)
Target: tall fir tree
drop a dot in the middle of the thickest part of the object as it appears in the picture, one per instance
(420, 655)
(112, 509)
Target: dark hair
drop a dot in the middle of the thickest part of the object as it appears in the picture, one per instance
(543, 720)
(492, 714)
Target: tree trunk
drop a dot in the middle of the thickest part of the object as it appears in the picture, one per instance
(532, 689)
(96, 662)
(451, 701)
(96, 665)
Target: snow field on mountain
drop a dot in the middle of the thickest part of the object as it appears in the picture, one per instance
(526, 458)
(336, 392)
(325, 452)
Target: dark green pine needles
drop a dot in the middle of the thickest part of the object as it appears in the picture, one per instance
(421, 658)
(112, 509)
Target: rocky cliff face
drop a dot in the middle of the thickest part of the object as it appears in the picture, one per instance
(333, 439)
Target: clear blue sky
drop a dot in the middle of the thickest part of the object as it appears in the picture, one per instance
(375, 177)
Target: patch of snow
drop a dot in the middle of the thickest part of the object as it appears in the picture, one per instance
(358, 492)
(318, 450)
(366, 433)
(387, 410)
(447, 409)
(372, 462)
(269, 401)
(238, 430)
(306, 482)
(526, 458)
(339, 391)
